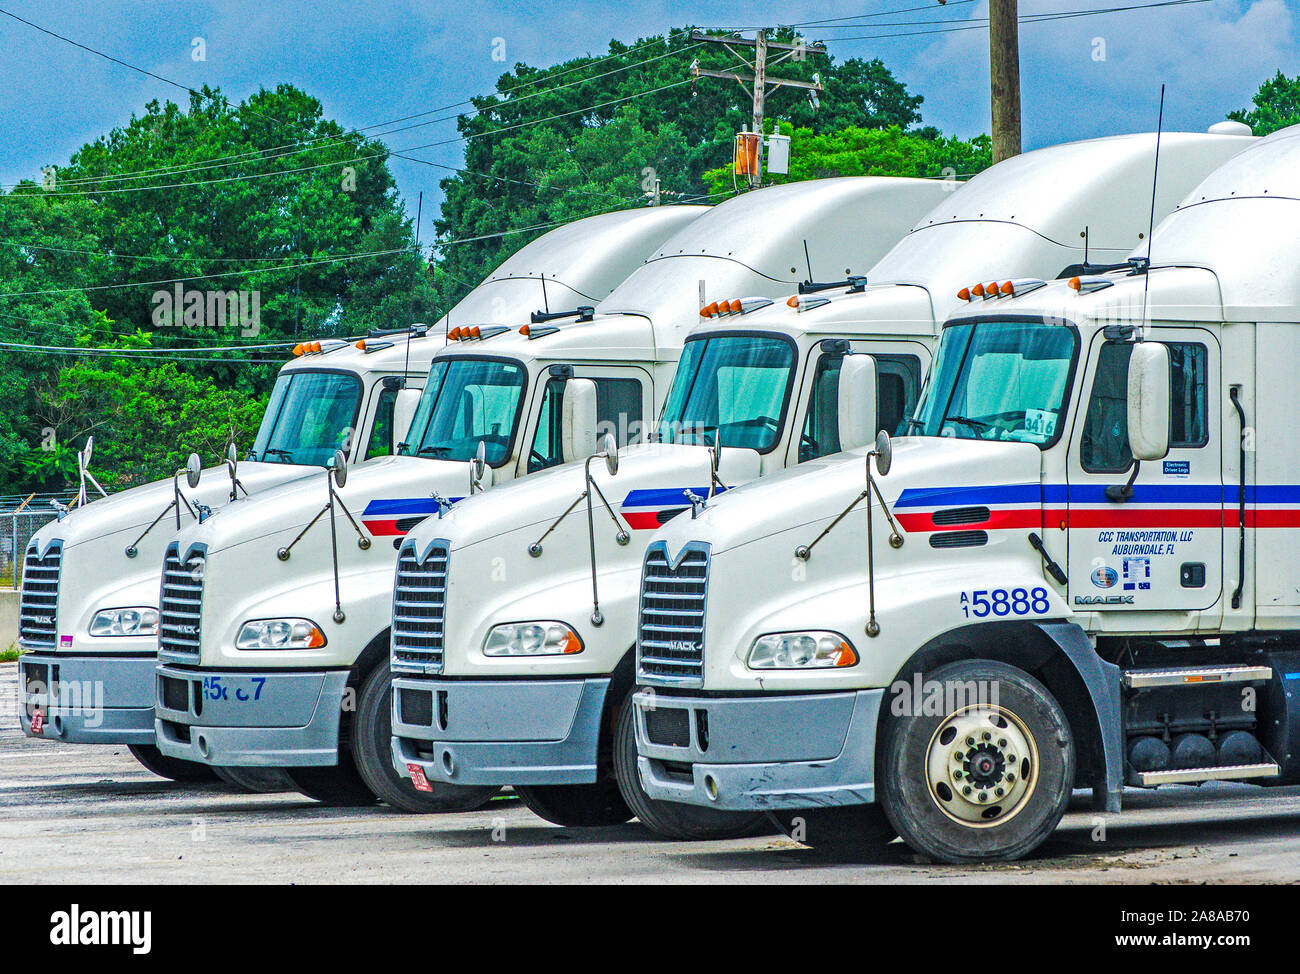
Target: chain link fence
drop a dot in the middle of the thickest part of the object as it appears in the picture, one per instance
(20, 518)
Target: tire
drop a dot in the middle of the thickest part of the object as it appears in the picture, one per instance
(858, 832)
(176, 769)
(339, 785)
(258, 781)
(372, 751)
(578, 806)
(671, 820)
(930, 787)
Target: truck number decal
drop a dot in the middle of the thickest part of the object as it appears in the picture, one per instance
(215, 689)
(1000, 603)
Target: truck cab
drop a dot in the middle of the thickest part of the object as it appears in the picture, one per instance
(278, 655)
(1075, 571)
(89, 605)
(526, 681)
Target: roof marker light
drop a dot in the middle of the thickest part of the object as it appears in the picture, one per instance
(525, 330)
(793, 301)
(454, 334)
(709, 310)
(978, 290)
(361, 345)
(1086, 285)
(963, 294)
(299, 349)
(991, 290)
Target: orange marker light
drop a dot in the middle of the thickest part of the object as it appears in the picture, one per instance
(794, 301)
(1007, 288)
(572, 644)
(963, 294)
(735, 306)
(362, 344)
(992, 289)
(1073, 284)
(474, 332)
(847, 657)
(525, 330)
(299, 349)
(978, 290)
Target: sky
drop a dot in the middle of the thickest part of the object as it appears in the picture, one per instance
(369, 62)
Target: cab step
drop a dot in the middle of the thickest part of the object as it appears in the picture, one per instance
(1195, 676)
(1187, 776)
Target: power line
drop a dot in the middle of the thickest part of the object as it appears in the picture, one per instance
(981, 23)
(297, 146)
(342, 162)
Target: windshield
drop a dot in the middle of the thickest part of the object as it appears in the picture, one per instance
(997, 380)
(309, 416)
(464, 402)
(735, 386)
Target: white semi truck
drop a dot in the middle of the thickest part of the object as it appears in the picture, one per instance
(1079, 570)
(523, 680)
(89, 601)
(275, 633)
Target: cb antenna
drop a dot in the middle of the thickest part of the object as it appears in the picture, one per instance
(1151, 223)
(808, 260)
(546, 305)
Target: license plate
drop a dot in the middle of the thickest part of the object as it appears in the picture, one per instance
(38, 724)
(418, 779)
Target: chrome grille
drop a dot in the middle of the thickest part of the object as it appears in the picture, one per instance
(181, 603)
(419, 609)
(670, 633)
(39, 600)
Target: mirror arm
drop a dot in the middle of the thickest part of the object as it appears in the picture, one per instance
(896, 537)
(133, 548)
(804, 551)
(535, 549)
(1119, 493)
(597, 617)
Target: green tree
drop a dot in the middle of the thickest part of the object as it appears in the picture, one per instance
(228, 197)
(527, 155)
(1277, 105)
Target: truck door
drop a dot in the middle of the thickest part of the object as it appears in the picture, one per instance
(1162, 547)
(899, 368)
(624, 398)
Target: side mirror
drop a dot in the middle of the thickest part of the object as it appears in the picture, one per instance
(88, 451)
(884, 453)
(857, 401)
(478, 467)
(403, 412)
(193, 470)
(609, 446)
(578, 419)
(339, 468)
(1148, 401)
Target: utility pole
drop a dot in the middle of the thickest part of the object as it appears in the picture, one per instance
(758, 83)
(1004, 77)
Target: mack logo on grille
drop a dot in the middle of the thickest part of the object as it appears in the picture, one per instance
(670, 638)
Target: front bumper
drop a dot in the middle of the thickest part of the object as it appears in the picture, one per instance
(87, 699)
(766, 752)
(498, 732)
(250, 718)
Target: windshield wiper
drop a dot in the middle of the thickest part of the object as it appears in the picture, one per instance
(976, 424)
(436, 451)
(914, 423)
(272, 451)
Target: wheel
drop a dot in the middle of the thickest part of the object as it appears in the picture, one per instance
(990, 778)
(262, 781)
(672, 820)
(177, 769)
(372, 751)
(338, 785)
(579, 806)
(849, 831)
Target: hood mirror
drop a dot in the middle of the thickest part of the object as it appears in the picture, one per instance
(232, 458)
(884, 453)
(340, 468)
(480, 461)
(193, 470)
(609, 446)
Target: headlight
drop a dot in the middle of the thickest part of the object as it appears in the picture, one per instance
(140, 620)
(532, 639)
(280, 634)
(801, 650)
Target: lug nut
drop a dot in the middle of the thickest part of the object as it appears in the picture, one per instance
(1002, 742)
(966, 790)
(988, 736)
(999, 792)
(984, 796)
(970, 742)
(1010, 778)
